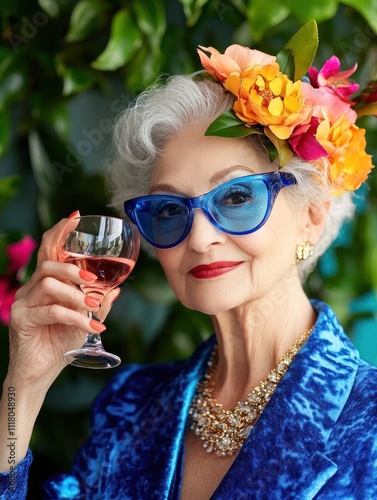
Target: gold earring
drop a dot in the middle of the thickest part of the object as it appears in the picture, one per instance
(304, 251)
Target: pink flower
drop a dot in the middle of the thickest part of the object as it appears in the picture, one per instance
(326, 104)
(330, 76)
(19, 253)
(304, 143)
(7, 296)
(234, 60)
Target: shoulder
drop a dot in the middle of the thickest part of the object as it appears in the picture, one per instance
(357, 424)
(364, 391)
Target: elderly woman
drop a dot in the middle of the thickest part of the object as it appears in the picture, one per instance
(276, 404)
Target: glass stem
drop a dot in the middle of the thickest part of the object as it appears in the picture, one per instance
(93, 339)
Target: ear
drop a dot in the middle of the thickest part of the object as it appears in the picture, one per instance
(314, 221)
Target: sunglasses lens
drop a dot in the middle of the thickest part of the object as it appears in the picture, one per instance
(241, 206)
(162, 220)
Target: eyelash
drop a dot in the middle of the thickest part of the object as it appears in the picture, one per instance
(238, 191)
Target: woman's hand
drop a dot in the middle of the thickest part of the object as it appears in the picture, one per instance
(49, 316)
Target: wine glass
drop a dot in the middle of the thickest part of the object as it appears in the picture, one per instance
(107, 247)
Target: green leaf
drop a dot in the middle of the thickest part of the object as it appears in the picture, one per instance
(151, 20)
(76, 79)
(51, 7)
(228, 125)
(367, 8)
(143, 70)
(192, 10)
(125, 39)
(303, 44)
(56, 115)
(263, 15)
(87, 18)
(281, 149)
(286, 62)
(8, 188)
(42, 167)
(5, 126)
(320, 10)
(13, 78)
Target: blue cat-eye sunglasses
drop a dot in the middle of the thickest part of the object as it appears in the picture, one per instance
(239, 206)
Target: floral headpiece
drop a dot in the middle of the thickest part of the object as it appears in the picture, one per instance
(311, 118)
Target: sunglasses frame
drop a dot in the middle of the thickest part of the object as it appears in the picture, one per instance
(274, 181)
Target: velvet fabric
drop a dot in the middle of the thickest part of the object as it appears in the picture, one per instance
(316, 438)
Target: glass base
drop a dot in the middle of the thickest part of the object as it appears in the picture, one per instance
(92, 357)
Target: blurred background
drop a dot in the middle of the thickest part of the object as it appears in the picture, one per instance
(67, 69)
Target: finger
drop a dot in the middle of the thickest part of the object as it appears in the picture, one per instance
(53, 291)
(56, 314)
(65, 273)
(54, 238)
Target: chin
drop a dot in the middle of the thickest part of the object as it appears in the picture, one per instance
(212, 303)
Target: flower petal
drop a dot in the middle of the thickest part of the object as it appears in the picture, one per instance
(281, 131)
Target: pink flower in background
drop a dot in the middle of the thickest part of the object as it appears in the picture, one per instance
(19, 254)
(7, 295)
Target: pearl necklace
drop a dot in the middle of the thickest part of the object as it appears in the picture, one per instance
(224, 431)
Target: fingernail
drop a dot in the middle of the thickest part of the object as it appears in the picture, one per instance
(97, 326)
(87, 275)
(92, 301)
(74, 214)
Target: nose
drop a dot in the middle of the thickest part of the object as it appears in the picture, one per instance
(203, 233)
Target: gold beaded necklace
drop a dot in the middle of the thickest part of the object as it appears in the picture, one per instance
(225, 431)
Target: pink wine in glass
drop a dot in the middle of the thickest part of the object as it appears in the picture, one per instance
(110, 271)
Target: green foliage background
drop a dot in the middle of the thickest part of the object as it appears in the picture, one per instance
(67, 68)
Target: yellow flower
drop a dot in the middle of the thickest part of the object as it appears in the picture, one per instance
(345, 144)
(266, 96)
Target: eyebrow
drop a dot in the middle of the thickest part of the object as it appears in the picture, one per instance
(215, 179)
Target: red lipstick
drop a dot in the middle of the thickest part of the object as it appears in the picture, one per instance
(208, 271)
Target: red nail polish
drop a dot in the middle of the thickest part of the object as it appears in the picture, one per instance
(97, 326)
(92, 301)
(74, 214)
(87, 275)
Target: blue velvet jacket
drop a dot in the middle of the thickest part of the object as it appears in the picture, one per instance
(316, 438)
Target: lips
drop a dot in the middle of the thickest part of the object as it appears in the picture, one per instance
(207, 271)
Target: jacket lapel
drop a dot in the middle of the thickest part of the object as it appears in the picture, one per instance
(284, 456)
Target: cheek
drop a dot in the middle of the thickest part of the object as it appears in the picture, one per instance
(170, 260)
(273, 245)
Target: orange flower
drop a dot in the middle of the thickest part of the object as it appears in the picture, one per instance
(345, 144)
(267, 96)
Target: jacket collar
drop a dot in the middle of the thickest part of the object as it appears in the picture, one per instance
(284, 456)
